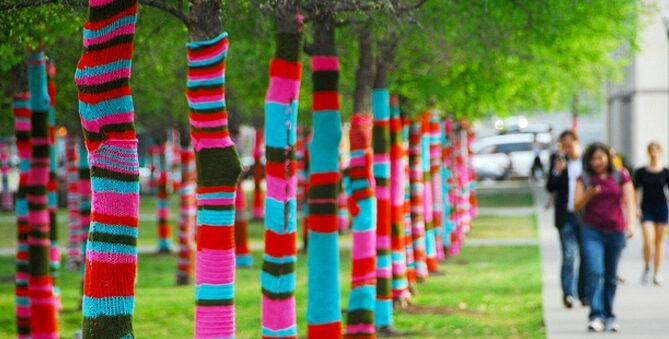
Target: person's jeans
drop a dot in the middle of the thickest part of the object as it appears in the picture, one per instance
(602, 253)
(570, 241)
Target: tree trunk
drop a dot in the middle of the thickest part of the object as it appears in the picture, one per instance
(437, 185)
(84, 186)
(447, 174)
(206, 19)
(187, 211)
(52, 186)
(364, 74)
(430, 247)
(258, 174)
(22, 116)
(417, 210)
(107, 117)
(74, 255)
(408, 231)
(323, 290)
(281, 102)
(6, 201)
(163, 208)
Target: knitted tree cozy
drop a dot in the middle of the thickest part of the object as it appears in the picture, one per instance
(446, 175)
(73, 239)
(417, 193)
(107, 117)
(323, 291)
(163, 210)
(305, 186)
(6, 200)
(85, 193)
(400, 284)
(381, 145)
(342, 210)
(43, 312)
(52, 186)
(437, 185)
(301, 193)
(187, 212)
(218, 170)
(278, 269)
(430, 248)
(22, 128)
(258, 174)
(242, 250)
(408, 232)
(362, 205)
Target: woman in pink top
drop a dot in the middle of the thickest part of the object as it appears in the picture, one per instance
(604, 230)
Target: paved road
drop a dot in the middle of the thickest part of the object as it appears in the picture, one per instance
(642, 310)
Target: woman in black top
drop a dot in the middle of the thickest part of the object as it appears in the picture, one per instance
(652, 180)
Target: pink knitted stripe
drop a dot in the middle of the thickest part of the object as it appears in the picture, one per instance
(201, 99)
(125, 204)
(121, 30)
(207, 143)
(220, 49)
(94, 125)
(215, 321)
(90, 80)
(205, 124)
(99, 3)
(215, 201)
(360, 328)
(210, 259)
(383, 241)
(365, 245)
(323, 63)
(283, 310)
(276, 188)
(282, 90)
(382, 193)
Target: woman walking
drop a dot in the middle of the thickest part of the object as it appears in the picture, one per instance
(652, 180)
(602, 191)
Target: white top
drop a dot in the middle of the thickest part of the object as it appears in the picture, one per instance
(574, 170)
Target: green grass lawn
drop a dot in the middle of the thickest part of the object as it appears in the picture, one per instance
(514, 196)
(503, 227)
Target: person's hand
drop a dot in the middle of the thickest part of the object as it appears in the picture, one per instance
(629, 232)
(592, 191)
(559, 164)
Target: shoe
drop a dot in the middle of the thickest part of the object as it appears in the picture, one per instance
(645, 277)
(568, 301)
(657, 279)
(596, 325)
(611, 326)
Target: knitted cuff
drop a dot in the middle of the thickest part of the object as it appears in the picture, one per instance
(400, 284)
(22, 127)
(362, 205)
(417, 192)
(218, 170)
(107, 115)
(52, 186)
(278, 269)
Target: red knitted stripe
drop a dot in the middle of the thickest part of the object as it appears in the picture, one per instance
(364, 266)
(210, 135)
(215, 237)
(217, 68)
(200, 51)
(382, 124)
(325, 331)
(383, 216)
(278, 170)
(22, 112)
(122, 286)
(215, 189)
(209, 116)
(39, 319)
(279, 245)
(94, 98)
(316, 179)
(326, 100)
(122, 51)
(323, 223)
(285, 69)
(113, 219)
(106, 22)
(205, 92)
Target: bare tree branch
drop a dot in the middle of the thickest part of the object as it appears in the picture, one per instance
(176, 12)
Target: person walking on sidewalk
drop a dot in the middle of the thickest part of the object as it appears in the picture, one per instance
(601, 192)
(565, 167)
(652, 180)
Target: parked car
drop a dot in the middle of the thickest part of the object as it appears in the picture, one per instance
(502, 156)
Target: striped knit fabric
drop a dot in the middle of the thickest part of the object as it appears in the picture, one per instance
(473, 205)
(242, 250)
(446, 175)
(163, 210)
(74, 256)
(461, 195)
(362, 205)
(342, 212)
(408, 233)
(6, 200)
(175, 161)
(430, 246)
(400, 284)
(52, 187)
(323, 291)
(22, 127)
(381, 145)
(107, 115)
(417, 192)
(187, 212)
(85, 194)
(154, 164)
(258, 174)
(218, 170)
(278, 269)
(437, 185)
(43, 305)
(305, 186)
(300, 194)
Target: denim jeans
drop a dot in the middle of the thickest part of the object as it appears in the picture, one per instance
(570, 241)
(602, 253)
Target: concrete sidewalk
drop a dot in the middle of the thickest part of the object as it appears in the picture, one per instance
(641, 310)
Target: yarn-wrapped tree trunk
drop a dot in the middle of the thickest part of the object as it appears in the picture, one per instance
(446, 171)
(437, 185)
(242, 249)
(74, 256)
(342, 213)
(6, 200)
(187, 212)
(362, 205)
(52, 186)
(107, 117)
(279, 319)
(163, 210)
(85, 193)
(417, 193)
(22, 128)
(258, 174)
(218, 170)
(323, 290)
(430, 248)
(300, 149)
(43, 306)
(408, 231)
(400, 284)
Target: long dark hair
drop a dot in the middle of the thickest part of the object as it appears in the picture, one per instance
(597, 146)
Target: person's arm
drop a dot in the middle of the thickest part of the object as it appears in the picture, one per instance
(582, 195)
(630, 205)
(554, 172)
